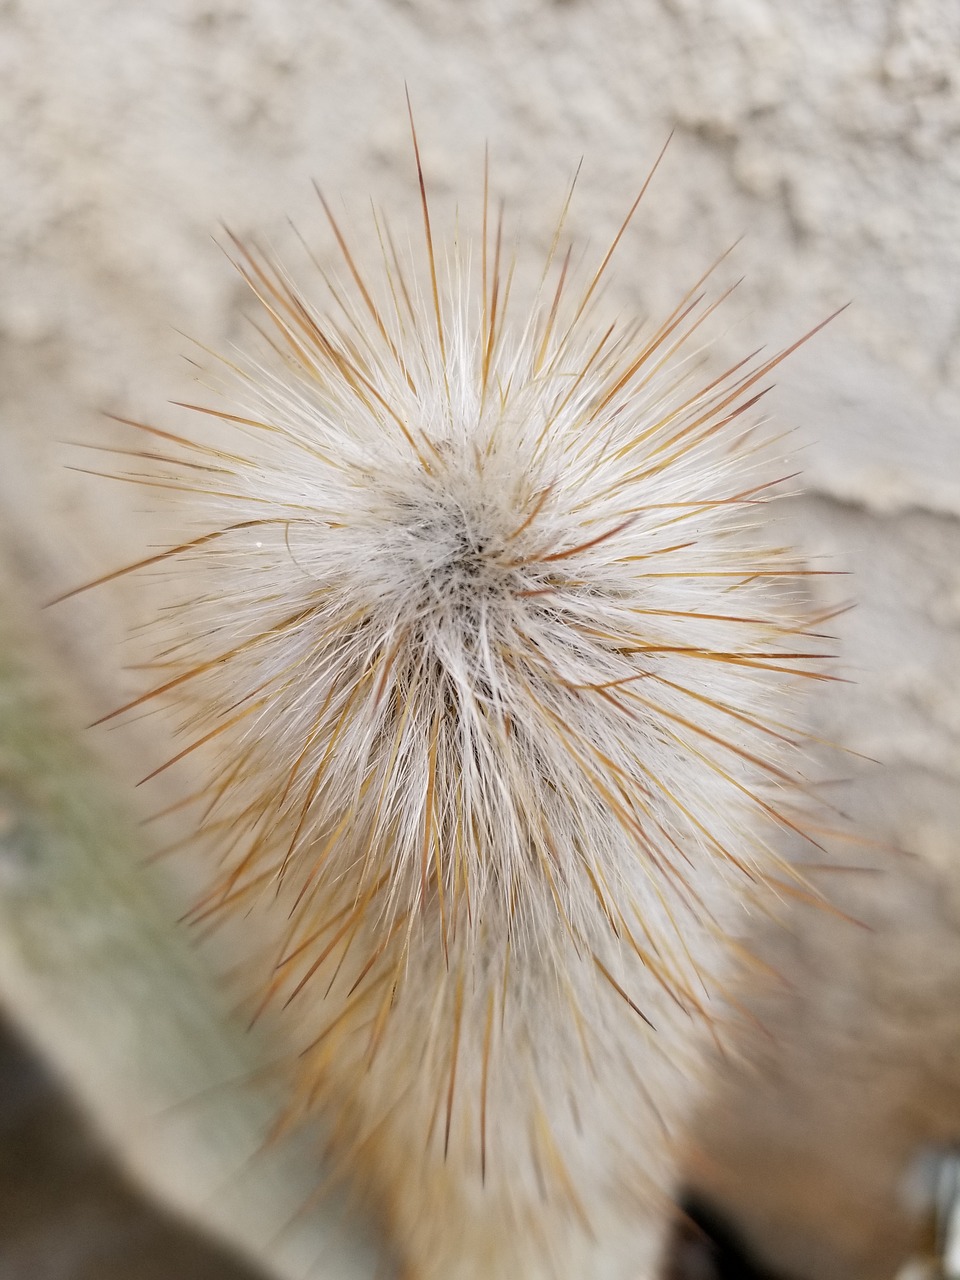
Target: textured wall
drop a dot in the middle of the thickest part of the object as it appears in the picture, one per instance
(828, 135)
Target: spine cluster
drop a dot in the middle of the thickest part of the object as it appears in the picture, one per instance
(484, 670)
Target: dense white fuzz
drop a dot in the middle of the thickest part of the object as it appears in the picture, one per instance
(482, 663)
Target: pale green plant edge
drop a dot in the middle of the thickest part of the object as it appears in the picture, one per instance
(98, 975)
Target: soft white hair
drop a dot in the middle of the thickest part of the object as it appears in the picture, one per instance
(484, 660)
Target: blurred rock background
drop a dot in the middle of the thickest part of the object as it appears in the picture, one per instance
(67, 1214)
(829, 136)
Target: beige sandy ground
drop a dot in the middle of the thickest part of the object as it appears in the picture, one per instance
(828, 134)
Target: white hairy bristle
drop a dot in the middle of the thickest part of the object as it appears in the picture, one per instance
(483, 661)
